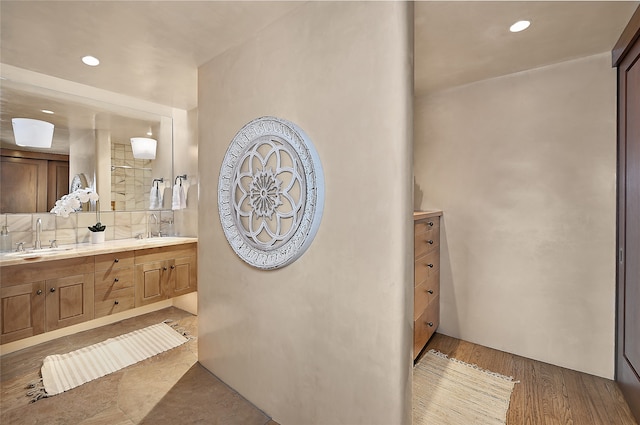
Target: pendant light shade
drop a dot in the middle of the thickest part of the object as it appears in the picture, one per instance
(143, 147)
(32, 133)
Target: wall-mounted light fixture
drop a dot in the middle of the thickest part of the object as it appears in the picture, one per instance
(143, 147)
(32, 133)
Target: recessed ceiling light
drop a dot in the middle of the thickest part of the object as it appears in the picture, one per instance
(149, 133)
(46, 111)
(519, 26)
(91, 61)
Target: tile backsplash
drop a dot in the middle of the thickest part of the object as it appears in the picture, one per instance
(74, 229)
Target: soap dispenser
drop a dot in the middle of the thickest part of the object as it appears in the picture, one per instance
(5, 240)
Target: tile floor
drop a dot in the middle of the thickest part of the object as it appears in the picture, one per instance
(170, 388)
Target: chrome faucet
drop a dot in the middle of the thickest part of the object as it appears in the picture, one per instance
(38, 244)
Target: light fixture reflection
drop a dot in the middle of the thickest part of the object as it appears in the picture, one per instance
(143, 147)
(32, 133)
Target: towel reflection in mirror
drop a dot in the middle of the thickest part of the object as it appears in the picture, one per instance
(179, 198)
(156, 195)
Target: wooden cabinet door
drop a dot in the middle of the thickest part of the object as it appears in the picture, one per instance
(69, 300)
(23, 184)
(57, 181)
(183, 276)
(21, 311)
(151, 282)
(626, 57)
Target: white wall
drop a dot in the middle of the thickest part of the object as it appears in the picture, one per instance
(327, 339)
(524, 168)
(185, 161)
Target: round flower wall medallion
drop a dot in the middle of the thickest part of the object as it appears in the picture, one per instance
(270, 193)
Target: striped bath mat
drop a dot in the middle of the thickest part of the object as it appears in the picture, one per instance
(447, 391)
(61, 372)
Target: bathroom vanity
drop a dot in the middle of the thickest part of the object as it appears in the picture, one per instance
(426, 301)
(41, 292)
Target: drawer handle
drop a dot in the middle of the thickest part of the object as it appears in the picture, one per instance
(430, 266)
(430, 242)
(52, 289)
(39, 292)
(173, 267)
(116, 302)
(116, 280)
(116, 260)
(430, 224)
(430, 324)
(164, 268)
(430, 291)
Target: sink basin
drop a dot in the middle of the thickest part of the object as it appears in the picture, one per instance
(38, 252)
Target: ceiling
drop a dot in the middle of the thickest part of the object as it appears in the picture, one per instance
(73, 115)
(151, 50)
(458, 42)
(147, 49)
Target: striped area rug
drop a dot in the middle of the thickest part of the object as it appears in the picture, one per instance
(447, 391)
(61, 372)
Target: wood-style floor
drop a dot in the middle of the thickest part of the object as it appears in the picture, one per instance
(546, 394)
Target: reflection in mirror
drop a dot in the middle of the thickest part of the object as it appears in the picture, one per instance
(91, 148)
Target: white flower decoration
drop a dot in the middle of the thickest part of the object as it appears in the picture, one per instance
(72, 202)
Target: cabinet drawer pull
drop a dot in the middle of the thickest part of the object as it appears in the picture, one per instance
(116, 280)
(39, 292)
(116, 302)
(430, 224)
(173, 267)
(430, 265)
(430, 324)
(52, 289)
(430, 242)
(116, 260)
(164, 268)
(430, 291)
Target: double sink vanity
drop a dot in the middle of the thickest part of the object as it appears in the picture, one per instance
(42, 290)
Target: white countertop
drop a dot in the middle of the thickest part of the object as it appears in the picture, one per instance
(84, 249)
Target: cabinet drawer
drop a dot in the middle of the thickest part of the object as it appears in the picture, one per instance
(426, 267)
(426, 241)
(165, 253)
(116, 260)
(114, 279)
(425, 326)
(114, 301)
(426, 225)
(424, 294)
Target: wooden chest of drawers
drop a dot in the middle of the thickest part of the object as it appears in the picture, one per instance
(426, 301)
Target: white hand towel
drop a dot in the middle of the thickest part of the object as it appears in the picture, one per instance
(183, 197)
(175, 199)
(153, 198)
(160, 195)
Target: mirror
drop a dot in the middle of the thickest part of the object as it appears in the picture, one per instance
(91, 147)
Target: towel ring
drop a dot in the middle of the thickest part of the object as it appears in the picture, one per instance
(156, 181)
(181, 177)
